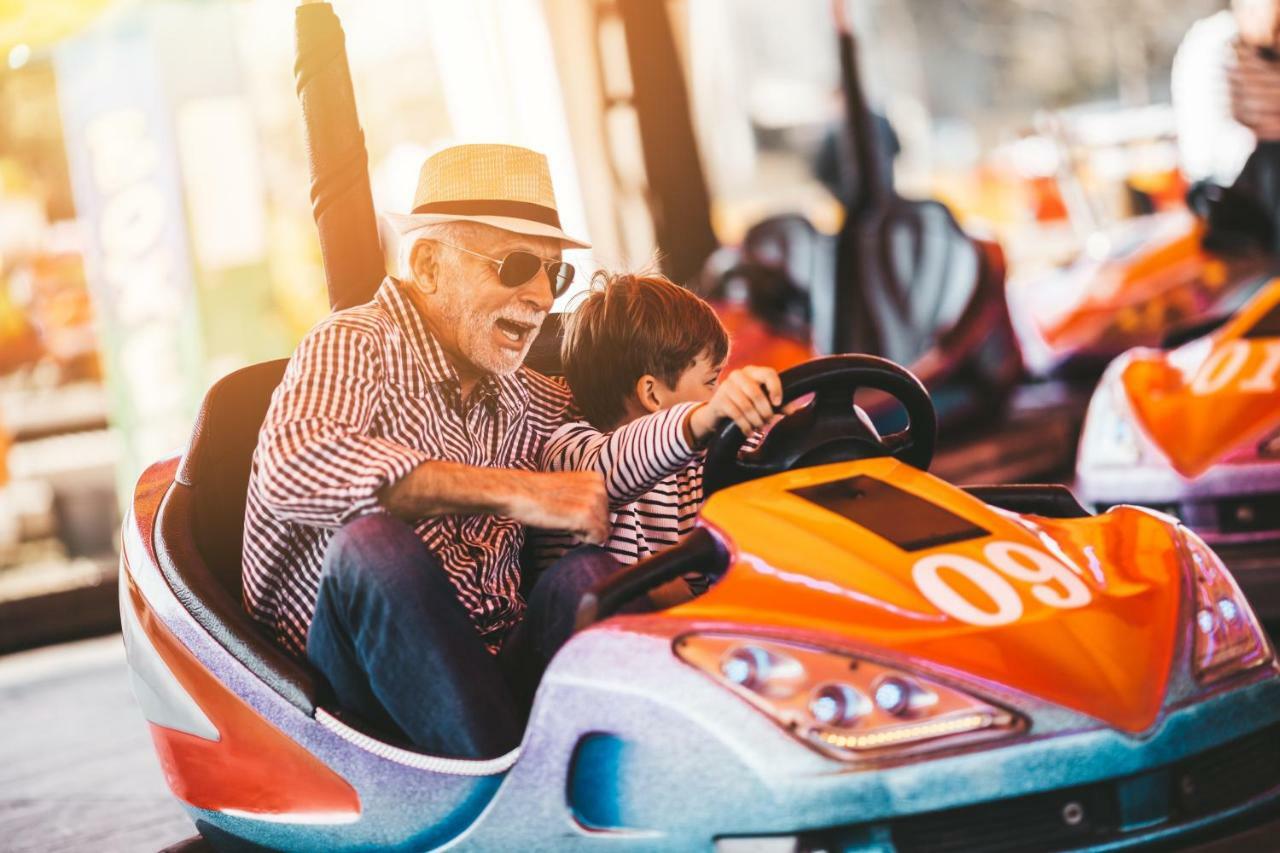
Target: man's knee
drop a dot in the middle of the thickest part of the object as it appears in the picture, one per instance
(374, 549)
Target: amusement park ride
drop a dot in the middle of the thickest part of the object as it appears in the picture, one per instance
(836, 686)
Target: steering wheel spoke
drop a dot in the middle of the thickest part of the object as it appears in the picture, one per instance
(756, 462)
(897, 442)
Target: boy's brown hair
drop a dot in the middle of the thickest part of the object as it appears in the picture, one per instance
(630, 325)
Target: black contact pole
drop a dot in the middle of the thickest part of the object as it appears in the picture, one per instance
(847, 321)
(341, 199)
(870, 187)
(679, 198)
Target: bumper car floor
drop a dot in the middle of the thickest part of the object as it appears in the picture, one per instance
(77, 769)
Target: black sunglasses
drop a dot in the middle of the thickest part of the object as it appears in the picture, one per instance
(520, 266)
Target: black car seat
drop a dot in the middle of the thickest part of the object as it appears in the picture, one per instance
(771, 273)
(200, 529)
(788, 243)
(937, 306)
(933, 272)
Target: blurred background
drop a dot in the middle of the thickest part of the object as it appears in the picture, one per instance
(156, 227)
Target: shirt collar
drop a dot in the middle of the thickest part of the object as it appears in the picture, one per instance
(508, 391)
(512, 393)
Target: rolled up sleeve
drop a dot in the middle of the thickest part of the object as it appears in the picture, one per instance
(319, 464)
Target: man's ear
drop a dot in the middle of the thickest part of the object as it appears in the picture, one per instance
(647, 393)
(424, 264)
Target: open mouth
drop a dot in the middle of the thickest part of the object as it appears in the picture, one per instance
(515, 331)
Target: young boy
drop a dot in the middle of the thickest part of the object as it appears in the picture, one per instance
(643, 357)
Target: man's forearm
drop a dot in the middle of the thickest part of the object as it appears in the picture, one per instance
(449, 488)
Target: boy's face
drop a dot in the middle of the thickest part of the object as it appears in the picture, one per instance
(695, 385)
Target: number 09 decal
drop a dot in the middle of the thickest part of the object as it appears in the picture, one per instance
(1050, 582)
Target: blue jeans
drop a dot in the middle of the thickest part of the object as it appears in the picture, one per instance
(401, 652)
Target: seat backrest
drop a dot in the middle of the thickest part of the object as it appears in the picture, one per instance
(913, 274)
(788, 242)
(772, 273)
(914, 283)
(216, 464)
(544, 352)
(200, 529)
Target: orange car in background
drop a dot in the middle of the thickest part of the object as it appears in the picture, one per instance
(1194, 430)
(1129, 288)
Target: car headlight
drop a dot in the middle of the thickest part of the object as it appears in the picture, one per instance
(1228, 639)
(844, 706)
(1110, 438)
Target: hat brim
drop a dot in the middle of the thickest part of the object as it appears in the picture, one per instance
(405, 224)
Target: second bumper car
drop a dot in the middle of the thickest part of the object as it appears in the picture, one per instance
(1194, 430)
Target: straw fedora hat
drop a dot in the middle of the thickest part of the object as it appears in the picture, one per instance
(505, 186)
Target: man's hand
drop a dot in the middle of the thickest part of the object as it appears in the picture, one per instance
(1254, 84)
(748, 395)
(572, 501)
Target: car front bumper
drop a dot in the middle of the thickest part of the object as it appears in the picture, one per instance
(1211, 795)
(690, 766)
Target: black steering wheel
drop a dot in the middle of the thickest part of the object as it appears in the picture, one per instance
(831, 428)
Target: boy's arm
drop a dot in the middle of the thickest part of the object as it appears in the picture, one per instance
(633, 458)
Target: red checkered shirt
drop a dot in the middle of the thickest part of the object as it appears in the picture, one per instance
(367, 397)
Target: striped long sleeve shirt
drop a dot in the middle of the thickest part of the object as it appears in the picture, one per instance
(367, 397)
(652, 474)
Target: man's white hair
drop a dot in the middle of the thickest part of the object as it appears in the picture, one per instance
(397, 248)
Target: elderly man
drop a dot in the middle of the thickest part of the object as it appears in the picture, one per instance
(395, 470)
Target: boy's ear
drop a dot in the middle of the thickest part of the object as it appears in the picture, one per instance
(423, 263)
(647, 393)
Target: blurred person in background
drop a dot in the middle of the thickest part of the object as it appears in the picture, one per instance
(1254, 75)
(835, 164)
(1226, 89)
